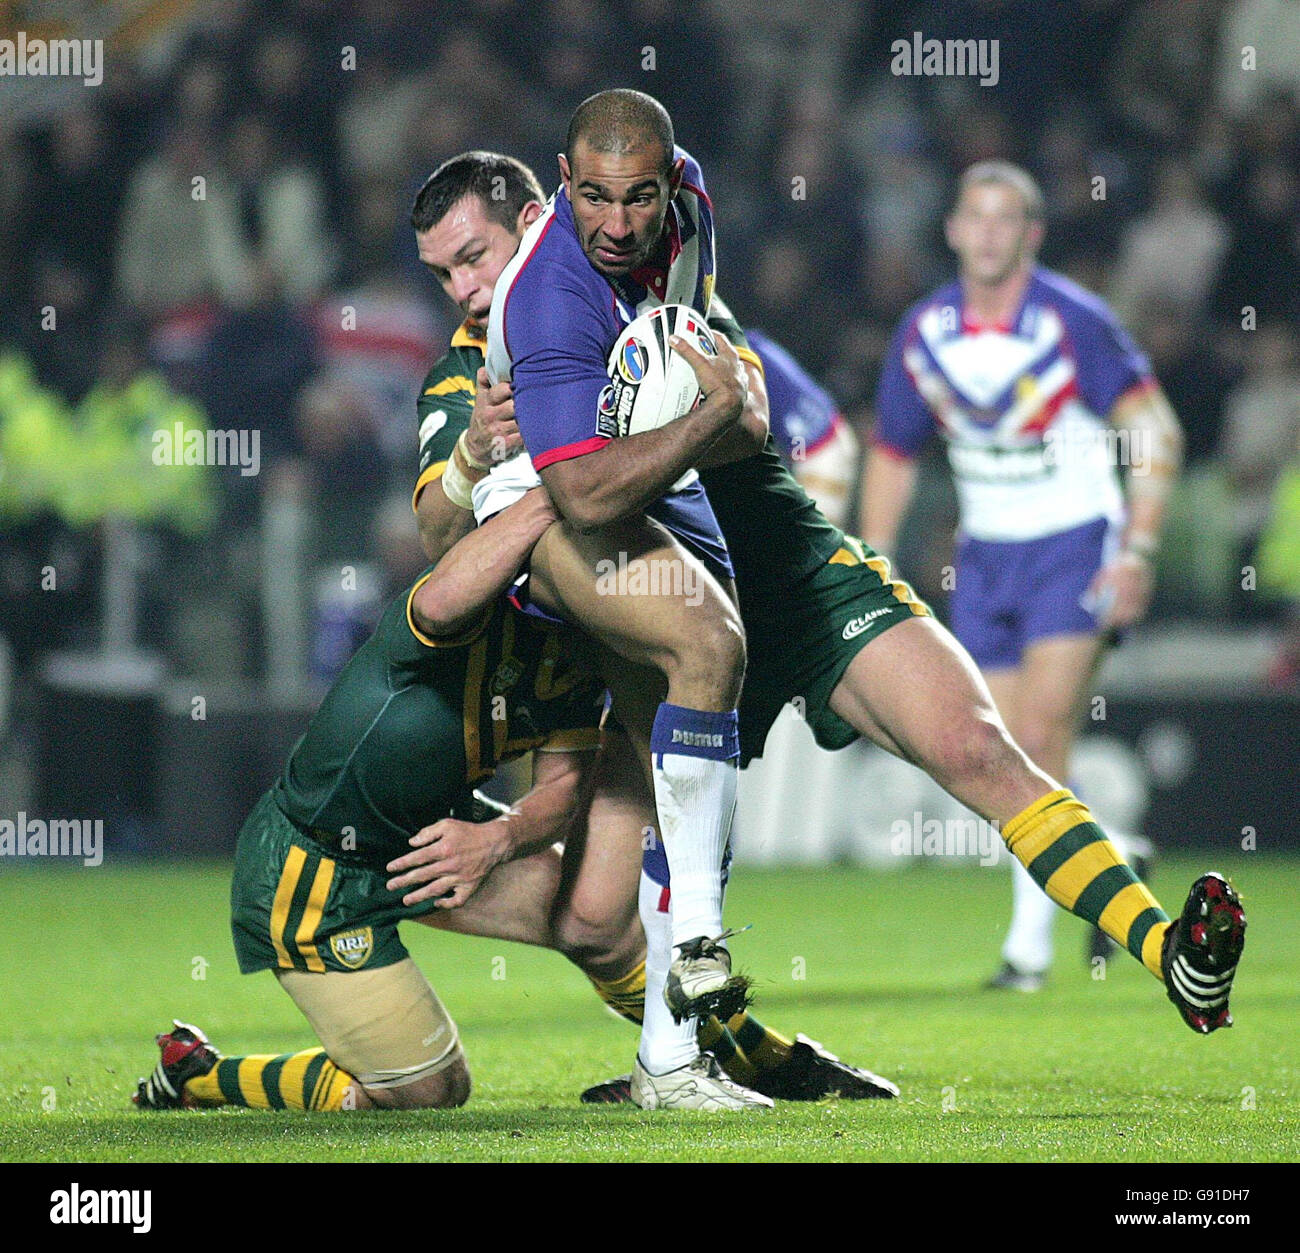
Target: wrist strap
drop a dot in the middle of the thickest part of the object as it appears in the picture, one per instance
(457, 485)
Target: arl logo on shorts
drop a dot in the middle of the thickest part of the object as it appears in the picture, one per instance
(855, 626)
(353, 948)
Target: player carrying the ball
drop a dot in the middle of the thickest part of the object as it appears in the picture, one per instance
(631, 229)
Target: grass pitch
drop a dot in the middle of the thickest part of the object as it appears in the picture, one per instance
(884, 969)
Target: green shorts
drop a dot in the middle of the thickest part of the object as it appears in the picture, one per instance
(801, 641)
(294, 905)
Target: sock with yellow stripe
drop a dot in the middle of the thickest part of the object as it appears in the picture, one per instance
(1068, 855)
(744, 1047)
(765, 1048)
(625, 995)
(305, 1080)
(712, 1036)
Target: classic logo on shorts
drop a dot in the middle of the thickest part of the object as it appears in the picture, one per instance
(855, 626)
(632, 362)
(353, 948)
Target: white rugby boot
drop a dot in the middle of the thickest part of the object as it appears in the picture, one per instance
(700, 1085)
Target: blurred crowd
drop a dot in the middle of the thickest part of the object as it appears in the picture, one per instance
(226, 217)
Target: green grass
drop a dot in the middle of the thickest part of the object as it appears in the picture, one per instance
(98, 961)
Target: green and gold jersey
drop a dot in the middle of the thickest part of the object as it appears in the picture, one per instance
(774, 531)
(446, 403)
(412, 723)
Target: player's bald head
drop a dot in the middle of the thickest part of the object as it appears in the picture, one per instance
(621, 121)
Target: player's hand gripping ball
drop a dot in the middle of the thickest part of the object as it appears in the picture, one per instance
(649, 383)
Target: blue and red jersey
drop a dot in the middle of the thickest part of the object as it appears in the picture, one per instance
(1024, 407)
(555, 318)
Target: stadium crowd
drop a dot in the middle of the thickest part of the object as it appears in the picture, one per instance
(218, 236)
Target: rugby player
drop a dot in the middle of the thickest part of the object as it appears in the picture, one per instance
(633, 229)
(1040, 395)
(412, 723)
(634, 242)
(469, 218)
(826, 622)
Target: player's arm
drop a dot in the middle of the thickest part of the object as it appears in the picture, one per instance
(749, 434)
(479, 567)
(454, 857)
(904, 424)
(1155, 455)
(1115, 379)
(441, 512)
(625, 475)
(442, 505)
(888, 481)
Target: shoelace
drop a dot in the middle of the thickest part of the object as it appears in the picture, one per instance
(693, 948)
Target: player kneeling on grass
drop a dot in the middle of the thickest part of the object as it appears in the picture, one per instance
(410, 725)
(324, 868)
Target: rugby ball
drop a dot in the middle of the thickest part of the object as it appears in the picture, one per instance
(649, 383)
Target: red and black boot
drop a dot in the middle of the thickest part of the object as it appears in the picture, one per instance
(1201, 951)
(186, 1053)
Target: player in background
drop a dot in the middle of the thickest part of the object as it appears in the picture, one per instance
(809, 430)
(828, 625)
(1040, 395)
